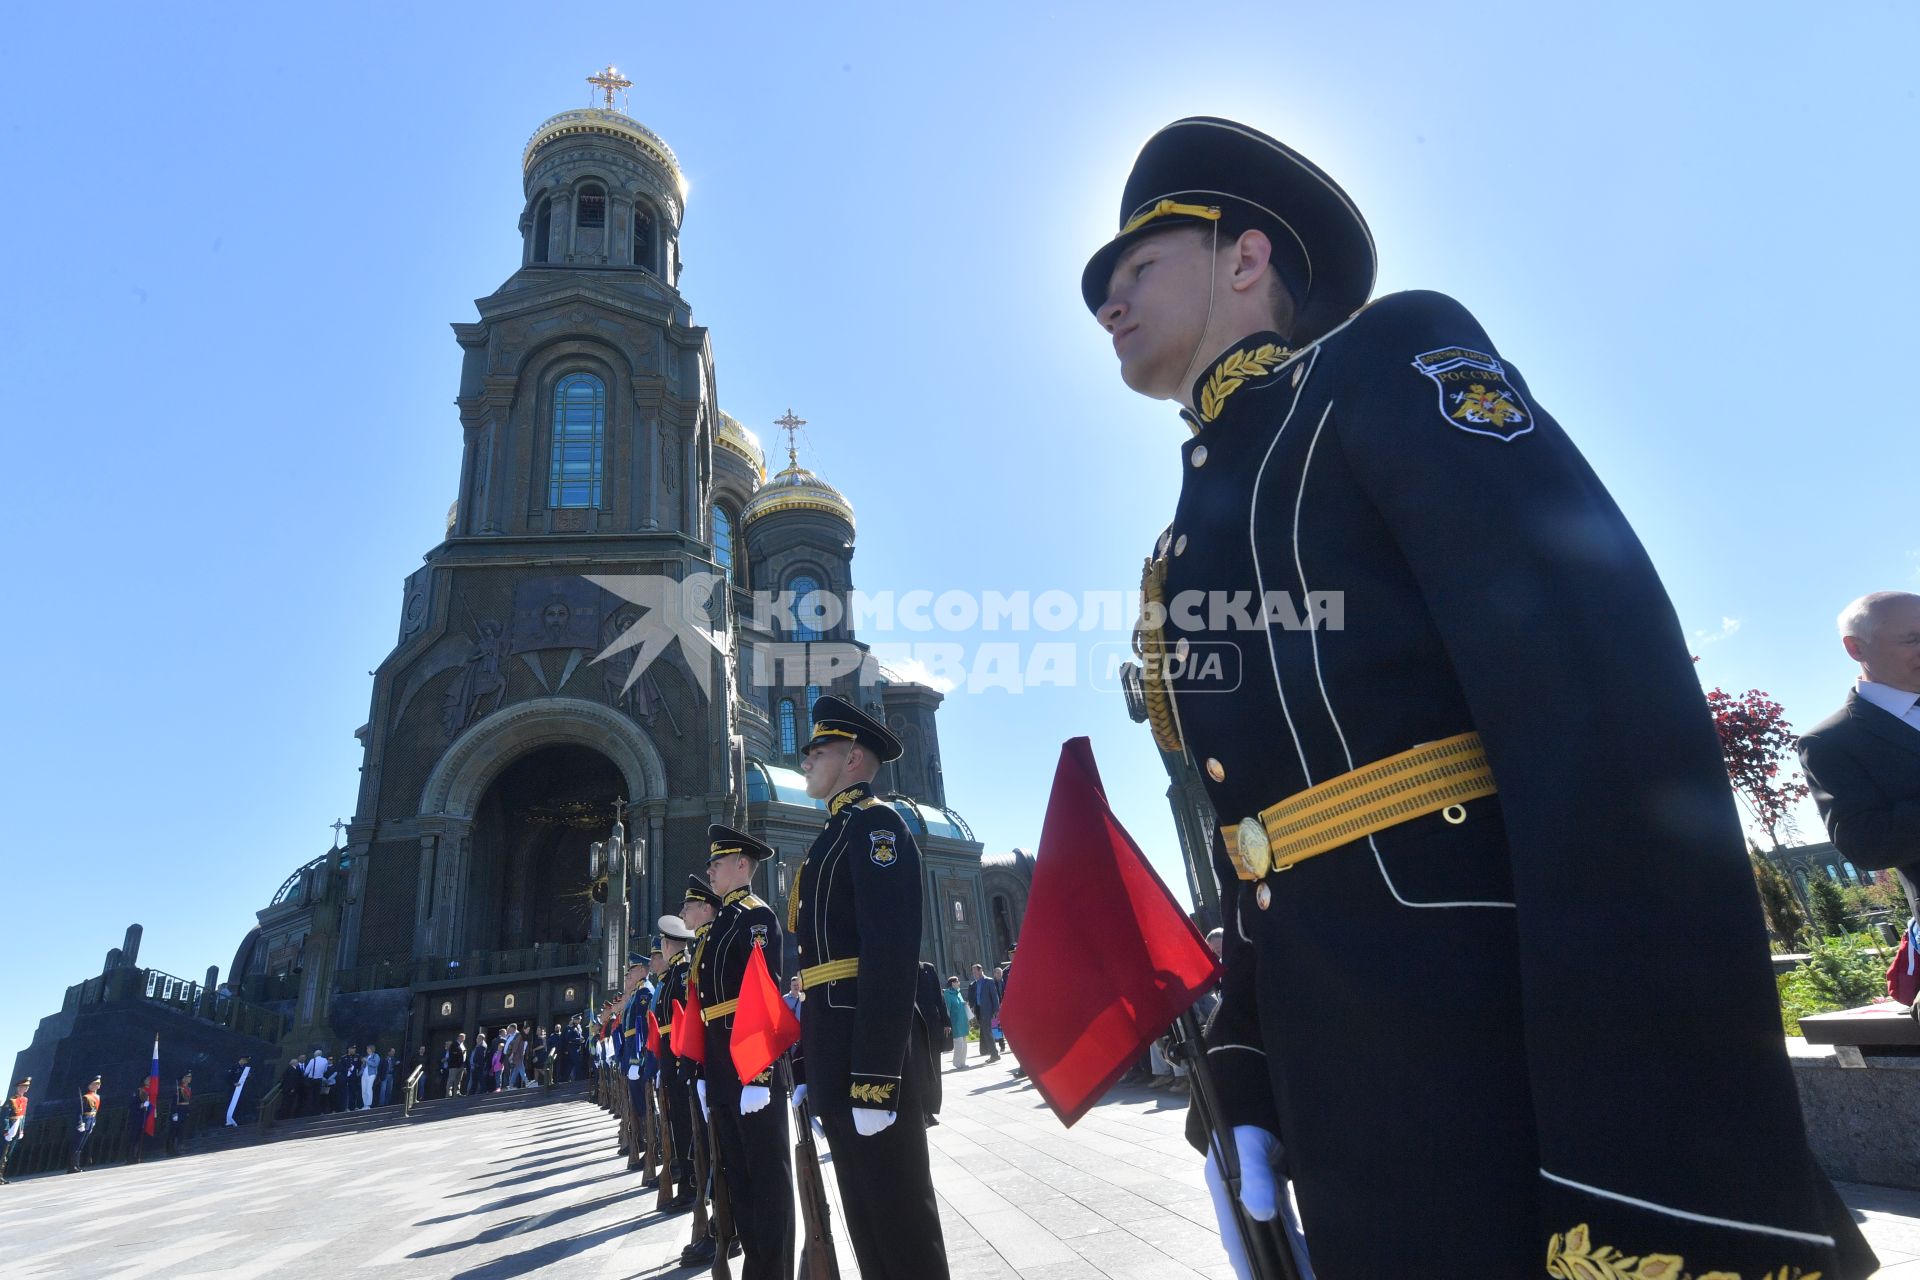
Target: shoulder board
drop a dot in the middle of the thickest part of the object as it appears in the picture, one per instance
(874, 802)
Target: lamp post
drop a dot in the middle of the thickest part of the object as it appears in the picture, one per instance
(621, 862)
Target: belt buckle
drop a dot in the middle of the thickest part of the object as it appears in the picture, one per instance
(1255, 850)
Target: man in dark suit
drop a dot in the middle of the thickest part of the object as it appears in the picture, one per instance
(1863, 761)
(986, 1006)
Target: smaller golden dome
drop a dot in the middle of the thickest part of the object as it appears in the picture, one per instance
(796, 489)
(737, 439)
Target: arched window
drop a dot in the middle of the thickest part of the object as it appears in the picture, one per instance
(542, 229)
(723, 539)
(806, 609)
(1853, 876)
(1833, 872)
(590, 208)
(813, 696)
(789, 742)
(579, 435)
(643, 255)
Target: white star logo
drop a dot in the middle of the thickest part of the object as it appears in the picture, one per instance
(676, 609)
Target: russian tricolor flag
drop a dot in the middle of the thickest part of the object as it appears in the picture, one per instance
(153, 1087)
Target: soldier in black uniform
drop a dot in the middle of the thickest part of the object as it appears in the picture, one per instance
(866, 1057)
(1504, 994)
(680, 1076)
(630, 1051)
(749, 1117)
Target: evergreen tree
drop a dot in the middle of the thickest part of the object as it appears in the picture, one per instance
(1776, 896)
(1830, 917)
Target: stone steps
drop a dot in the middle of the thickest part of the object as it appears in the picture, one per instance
(339, 1122)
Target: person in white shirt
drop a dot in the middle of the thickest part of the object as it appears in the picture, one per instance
(318, 1068)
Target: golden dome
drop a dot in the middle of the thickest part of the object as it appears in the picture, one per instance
(737, 439)
(796, 489)
(615, 123)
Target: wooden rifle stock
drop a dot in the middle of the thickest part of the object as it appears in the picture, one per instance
(817, 1260)
(666, 1146)
(648, 1128)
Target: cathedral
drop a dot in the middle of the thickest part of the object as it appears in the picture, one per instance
(591, 641)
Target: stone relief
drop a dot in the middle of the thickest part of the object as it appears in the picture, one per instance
(480, 678)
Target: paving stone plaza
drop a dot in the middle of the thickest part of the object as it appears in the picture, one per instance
(539, 1191)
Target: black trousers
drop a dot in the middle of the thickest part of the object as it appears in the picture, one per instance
(886, 1190)
(756, 1159)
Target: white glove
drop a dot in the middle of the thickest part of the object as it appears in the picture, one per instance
(867, 1121)
(799, 1095)
(700, 1087)
(633, 1071)
(1260, 1185)
(753, 1097)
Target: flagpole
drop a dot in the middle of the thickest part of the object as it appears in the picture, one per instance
(1268, 1249)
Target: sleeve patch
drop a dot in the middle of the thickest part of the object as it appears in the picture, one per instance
(1475, 394)
(883, 852)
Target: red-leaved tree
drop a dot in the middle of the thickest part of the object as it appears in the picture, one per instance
(1755, 740)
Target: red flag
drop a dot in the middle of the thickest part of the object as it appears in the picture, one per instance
(1108, 958)
(153, 1089)
(692, 1042)
(653, 1034)
(763, 1026)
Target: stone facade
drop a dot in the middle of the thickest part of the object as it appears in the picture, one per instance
(502, 732)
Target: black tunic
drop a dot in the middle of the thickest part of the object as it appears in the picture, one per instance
(1549, 1029)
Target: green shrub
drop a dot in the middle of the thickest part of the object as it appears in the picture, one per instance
(1838, 973)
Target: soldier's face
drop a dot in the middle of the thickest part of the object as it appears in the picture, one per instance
(730, 873)
(1890, 655)
(824, 766)
(1156, 309)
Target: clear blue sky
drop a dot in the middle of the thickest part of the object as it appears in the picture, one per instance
(237, 239)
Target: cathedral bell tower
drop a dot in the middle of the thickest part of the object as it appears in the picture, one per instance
(585, 390)
(544, 686)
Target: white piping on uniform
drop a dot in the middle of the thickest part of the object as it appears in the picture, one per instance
(1807, 1236)
(1259, 581)
(1221, 1048)
(1313, 633)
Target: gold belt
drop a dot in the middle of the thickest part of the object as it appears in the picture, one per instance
(1429, 778)
(720, 1010)
(831, 971)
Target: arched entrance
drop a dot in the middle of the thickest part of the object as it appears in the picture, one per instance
(529, 881)
(507, 776)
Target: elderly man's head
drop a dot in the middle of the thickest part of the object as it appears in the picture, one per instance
(1881, 631)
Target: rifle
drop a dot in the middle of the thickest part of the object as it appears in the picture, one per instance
(1268, 1249)
(630, 1134)
(666, 1148)
(723, 1228)
(647, 1128)
(702, 1168)
(817, 1260)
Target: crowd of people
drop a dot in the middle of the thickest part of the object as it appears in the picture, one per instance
(316, 1083)
(514, 1058)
